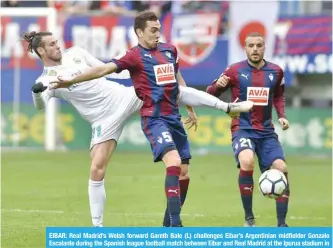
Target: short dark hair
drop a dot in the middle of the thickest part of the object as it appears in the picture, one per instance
(140, 21)
(254, 34)
(35, 40)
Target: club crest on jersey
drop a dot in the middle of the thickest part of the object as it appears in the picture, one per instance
(258, 95)
(271, 76)
(195, 36)
(52, 73)
(168, 54)
(164, 74)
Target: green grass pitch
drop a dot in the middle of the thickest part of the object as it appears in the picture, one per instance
(42, 189)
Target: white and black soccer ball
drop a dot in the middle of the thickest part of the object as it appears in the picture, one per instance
(272, 183)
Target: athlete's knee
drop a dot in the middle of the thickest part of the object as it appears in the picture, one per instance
(100, 157)
(246, 159)
(98, 169)
(172, 158)
(280, 165)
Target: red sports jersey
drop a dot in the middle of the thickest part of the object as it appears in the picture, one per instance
(264, 86)
(153, 72)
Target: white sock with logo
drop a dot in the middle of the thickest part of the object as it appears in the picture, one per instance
(97, 198)
(197, 98)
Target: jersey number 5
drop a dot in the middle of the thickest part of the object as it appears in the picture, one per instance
(167, 136)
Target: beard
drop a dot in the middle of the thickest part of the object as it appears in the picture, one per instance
(55, 57)
(256, 61)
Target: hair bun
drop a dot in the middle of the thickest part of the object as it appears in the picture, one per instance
(28, 36)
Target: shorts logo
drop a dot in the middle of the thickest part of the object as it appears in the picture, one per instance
(259, 96)
(164, 74)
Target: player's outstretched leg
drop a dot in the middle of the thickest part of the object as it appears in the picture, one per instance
(196, 98)
(184, 181)
(100, 157)
(172, 190)
(245, 183)
(283, 201)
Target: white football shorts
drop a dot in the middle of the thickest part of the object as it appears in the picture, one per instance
(111, 127)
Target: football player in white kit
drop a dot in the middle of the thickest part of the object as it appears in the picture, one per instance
(104, 104)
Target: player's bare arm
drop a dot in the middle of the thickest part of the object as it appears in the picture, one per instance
(39, 96)
(192, 118)
(219, 85)
(93, 73)
(222, 81)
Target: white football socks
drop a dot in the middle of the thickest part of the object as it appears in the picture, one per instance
(97, 198)
(197, 98)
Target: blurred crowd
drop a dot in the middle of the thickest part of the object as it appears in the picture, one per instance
(124, 8)
(128, 8)
(131, 8)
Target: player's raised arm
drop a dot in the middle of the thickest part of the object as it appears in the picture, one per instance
(90, 74)
(220, 84)
(128, 61)
(40, 95)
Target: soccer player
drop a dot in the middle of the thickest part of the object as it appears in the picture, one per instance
(104, 104)
(253, 133)
(153, 68)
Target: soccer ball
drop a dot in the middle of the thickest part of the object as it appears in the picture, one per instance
(272, 183)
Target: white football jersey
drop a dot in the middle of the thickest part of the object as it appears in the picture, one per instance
(95, 99)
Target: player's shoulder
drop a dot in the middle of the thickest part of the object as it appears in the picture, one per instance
(74, 50)
(167, 46)
(133, 51)
(42, 78)
(274, 66)
(236, 66)
(48, 74)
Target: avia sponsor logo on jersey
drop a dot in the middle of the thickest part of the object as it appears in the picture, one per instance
(164, 74)
(259, 96)
(195, 36)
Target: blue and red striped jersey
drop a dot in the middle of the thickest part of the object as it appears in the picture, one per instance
(153, 72)
(264, 86)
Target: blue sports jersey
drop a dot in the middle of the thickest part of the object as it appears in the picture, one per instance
(264, 86)
(153, 72)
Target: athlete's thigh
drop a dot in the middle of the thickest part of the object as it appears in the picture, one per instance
(269, 149)
(241, 142)
(101, 153)
(158, 134)
(179, 137)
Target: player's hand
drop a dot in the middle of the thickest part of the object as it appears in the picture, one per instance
(192, 119)
(284, 123)
(39, 87)
(61, 83)
(222, 81)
